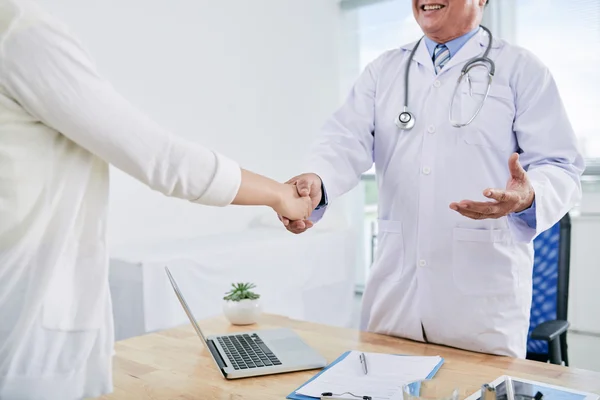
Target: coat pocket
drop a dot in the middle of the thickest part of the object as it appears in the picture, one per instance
(484, 262)
(492, 127)
(389, 255)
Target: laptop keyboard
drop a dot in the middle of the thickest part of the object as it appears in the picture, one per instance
(247, 351)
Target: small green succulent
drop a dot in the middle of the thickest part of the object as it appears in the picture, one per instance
(241, 291)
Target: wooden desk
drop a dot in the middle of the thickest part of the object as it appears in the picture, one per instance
(174, 364)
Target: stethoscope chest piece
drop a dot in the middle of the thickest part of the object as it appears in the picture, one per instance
(405, 120)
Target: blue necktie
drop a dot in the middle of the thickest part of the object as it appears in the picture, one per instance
(441, 55)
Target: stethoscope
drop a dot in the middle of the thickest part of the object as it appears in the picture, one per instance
(406, 120)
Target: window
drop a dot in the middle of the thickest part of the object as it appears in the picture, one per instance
(383, 26)
(564, 34)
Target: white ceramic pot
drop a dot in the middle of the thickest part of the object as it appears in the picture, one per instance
(244, 312)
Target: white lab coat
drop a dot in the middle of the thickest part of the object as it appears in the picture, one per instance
(60, 126)
(467, 283)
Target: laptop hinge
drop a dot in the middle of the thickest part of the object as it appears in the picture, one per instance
(217, 356)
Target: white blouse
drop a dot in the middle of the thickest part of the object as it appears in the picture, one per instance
(61, 124)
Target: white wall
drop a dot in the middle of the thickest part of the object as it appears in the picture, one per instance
(252, 79)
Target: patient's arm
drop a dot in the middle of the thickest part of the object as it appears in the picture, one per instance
(283, 198)
(48, 73)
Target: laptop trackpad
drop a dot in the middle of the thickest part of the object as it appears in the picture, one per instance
(286, 344)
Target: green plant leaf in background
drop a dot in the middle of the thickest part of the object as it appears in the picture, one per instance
(241, 291)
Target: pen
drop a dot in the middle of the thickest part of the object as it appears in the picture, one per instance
(363, 361)
(331, 396)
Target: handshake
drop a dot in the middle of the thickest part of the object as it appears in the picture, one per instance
(301, 195)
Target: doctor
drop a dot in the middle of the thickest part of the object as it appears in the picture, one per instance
(61, 124)
(459, 202)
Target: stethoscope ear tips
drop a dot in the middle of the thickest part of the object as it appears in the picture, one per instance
(405, 120)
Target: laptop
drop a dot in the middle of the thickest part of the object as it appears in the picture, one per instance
(255, 353)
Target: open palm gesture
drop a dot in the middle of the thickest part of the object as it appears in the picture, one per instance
(517, 196)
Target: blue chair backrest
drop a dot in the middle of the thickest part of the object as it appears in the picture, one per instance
(545, 284)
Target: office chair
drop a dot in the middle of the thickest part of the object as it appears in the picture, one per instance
(547, 339)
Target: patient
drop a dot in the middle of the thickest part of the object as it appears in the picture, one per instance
(61, 125)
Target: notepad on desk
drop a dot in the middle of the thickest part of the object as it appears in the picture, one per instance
(386, 373)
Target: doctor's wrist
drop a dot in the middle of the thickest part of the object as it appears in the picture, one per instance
(526, 203)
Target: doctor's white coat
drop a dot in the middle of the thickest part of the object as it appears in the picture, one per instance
(465, 283)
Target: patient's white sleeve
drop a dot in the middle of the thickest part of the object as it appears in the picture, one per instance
(48, 72)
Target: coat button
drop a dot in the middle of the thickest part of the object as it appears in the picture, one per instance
(422, 263)
(431, 129)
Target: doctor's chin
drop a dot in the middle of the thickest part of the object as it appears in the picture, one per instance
(350, 199)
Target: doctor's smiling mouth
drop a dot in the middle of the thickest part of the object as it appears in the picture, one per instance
(441, 19)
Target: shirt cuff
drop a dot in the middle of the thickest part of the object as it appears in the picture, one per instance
(319, 211)
(324, 199)
(317, 215)
(225, 184)
(528, 216)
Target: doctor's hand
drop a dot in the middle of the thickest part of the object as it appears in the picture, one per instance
(291, 205)
(309, 187)
(518, 196)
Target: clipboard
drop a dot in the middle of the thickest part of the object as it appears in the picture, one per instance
(296, 396)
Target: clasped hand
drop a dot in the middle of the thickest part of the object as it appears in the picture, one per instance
(308, 186)
(292, 204)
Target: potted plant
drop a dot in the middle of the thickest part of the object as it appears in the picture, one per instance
(242, 306)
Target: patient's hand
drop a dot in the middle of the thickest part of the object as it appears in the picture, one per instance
(291, 205)
(308, 185)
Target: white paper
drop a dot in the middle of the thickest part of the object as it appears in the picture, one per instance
(386, 375)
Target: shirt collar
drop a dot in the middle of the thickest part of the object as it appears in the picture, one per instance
(454, 45)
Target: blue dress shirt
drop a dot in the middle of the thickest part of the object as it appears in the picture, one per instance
(453, 46)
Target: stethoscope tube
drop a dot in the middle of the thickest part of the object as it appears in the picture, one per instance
(406, 120)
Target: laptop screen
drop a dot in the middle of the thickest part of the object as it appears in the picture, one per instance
(185, 306)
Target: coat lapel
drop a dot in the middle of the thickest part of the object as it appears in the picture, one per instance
(421, 55)
(475, 47)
